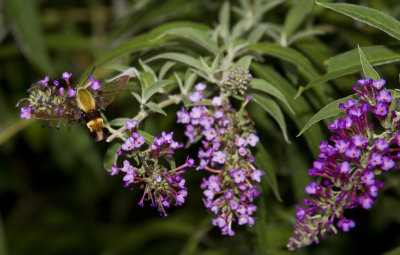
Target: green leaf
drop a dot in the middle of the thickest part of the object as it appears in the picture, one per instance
(154, 107)
(330, 110)
(394, 251)
(261, 228)
(147, 69)
(147, 137)
(179, 57)
(372, 17)
(111, 156)
(190, 79)
(137, 96)
(295, 18)
(118, 122)
(263, 85)
(288, 54)
(154, 88)
(165, 68)
(244, 61)
(224, 16)
(140, 42)
(349, 62)
(27, 28)
(69, 41)
(197, 36)
(264, 162)
(300, 105)
(369, 71)
(272, 108)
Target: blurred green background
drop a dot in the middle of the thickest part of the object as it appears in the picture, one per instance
(56, 198)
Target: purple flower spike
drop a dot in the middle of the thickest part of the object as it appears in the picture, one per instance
(378, 84)
(195, 97)
(44, 82)
(130, 124)
(94, 84)
(129, 144)
(200, 86)
(252, 139)
(368, 178)
(219, 157)
(346, 224)
(344, 167)
(216, 101)
(242, 151)
(381, 109)
(387, 163)
(256, 175)
(312, 188)
(381, 145)
(61, 91)
(26, 112)
(364, 82)
(375, 159)
(114, 170)
(384, 96)
(366, 202)
(356, 158)
(239, 176)
(71, 93)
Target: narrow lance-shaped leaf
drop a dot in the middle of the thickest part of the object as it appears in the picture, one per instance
(154, 107)
(263, 85)
(244, 61)
(372, 17)
(197, 36)
(369, 71)
(295, 18)
(118, 122)
(111, 156)
(263, 161)
(349, 62)
(288, 54)
(147, 137)
(26, 27)
(225, 18)
(272, 108)
(330, 110)
(179, 57)
(300, 105)
(140, 42)
(154, 88)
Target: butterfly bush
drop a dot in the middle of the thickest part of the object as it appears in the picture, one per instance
(50, 97)
(149, 168)
(364, 143)
(226, 136)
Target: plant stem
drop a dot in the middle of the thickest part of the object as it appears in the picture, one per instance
(174, 99)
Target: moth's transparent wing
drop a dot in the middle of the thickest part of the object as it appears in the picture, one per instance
(107, 93)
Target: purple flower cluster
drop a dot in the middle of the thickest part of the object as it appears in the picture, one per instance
(237, 80)
(349, 164)
(161, 185)
(49, 98)
(226, 138)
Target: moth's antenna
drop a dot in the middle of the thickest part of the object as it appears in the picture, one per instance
(91, 72)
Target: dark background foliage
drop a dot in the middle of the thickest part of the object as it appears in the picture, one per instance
(56, 198)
